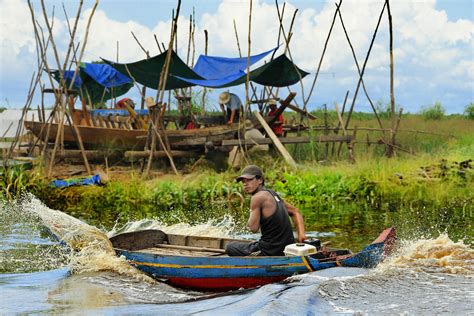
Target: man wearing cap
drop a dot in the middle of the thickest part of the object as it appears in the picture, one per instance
(277, 125)
(232, 105)
(270, 214)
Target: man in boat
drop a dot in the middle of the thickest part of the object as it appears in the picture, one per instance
(270, 214)
(230, 105)
(277, 125)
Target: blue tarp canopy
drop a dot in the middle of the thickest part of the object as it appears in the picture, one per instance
(105, 75)
(212, 71)
(280, 72)
(99, 81)
(214, 67)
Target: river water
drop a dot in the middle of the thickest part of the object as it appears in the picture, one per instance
(40, 276)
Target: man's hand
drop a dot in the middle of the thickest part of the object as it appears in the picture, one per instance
(302, 237)
(230, 123)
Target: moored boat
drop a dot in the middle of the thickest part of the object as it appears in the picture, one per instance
(127, 139)
(200, 263)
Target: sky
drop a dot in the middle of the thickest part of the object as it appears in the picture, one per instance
(433, 45)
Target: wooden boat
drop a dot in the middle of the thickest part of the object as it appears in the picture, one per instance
(129, 139)
(200, 263)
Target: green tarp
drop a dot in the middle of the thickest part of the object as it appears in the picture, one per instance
(280, 72)
(147, 71)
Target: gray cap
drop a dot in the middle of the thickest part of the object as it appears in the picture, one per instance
(249, 172)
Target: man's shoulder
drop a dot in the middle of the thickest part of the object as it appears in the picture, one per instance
(262, 194)
(235, 97)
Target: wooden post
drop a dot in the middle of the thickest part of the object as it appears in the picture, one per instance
(160, 95)
(81, 145)
(203, 111)
(282, 108)
(286, 155)
(142, 103)
(391, 149)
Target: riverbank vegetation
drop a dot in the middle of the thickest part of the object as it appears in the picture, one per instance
(426, 189)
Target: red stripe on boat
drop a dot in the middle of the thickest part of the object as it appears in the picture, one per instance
(223, 284)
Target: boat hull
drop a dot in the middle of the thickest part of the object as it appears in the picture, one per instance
(126, 139)
(216, 273)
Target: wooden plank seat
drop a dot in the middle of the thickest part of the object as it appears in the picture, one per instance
(181, 252)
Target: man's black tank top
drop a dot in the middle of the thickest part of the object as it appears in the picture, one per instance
(276, 230)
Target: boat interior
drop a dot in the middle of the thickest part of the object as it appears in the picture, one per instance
(159, 243)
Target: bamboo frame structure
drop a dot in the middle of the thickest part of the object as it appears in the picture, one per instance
(157, 144)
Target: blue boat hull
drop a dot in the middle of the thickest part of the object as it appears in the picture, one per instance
(228, 273)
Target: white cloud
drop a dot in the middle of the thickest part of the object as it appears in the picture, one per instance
(429, 49)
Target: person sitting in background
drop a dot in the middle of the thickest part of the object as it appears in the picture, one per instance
(269, 214)
(230, 105)
(277, 126)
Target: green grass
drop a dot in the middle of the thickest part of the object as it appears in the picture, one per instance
(425, 191)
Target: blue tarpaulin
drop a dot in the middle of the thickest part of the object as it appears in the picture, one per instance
(214, 67)
(97, 82)
(104, 112)
(92, 180)
(104, 74)
(279, 72)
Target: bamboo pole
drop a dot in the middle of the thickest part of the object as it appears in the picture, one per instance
(305, 102)
(358, 68)
(363, 67)
(33, 84)
(237, 38)
(157, 43)
(63, 107)
(192, 37)
(139, 44)
(341, 124)
(247, 79)
(287, 44)
(42, 46)
(62, 85)
(189, 39)
(203, 111)
(391, 149)
(160, 95)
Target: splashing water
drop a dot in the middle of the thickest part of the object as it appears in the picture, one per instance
(22, 238)
(424, 276)
(433, 255)
(211, 228)
(93, 251)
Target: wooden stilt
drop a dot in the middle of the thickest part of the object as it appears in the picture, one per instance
(286, 155)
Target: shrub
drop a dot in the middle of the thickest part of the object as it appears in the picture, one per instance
(435, 112)
(469, 111)
(383, 109)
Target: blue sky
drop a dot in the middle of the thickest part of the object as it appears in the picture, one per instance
(434, 49)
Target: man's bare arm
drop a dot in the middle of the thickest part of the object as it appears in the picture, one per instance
(222, 109)
(232, 115)
(297, 219)
(255, 213)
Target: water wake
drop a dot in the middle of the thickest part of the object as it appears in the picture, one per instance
(432, 255)
(92, 250)
(211, 228)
